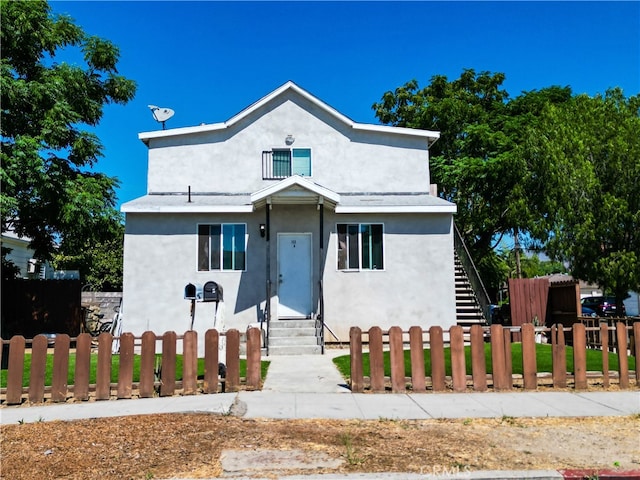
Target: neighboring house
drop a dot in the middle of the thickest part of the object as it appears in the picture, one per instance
(22, 256)
(293, 201)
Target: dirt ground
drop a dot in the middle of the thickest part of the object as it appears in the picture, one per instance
(191, 445)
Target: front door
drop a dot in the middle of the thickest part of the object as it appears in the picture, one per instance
(294, 275)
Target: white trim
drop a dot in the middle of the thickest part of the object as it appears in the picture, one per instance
(397, 209)
(187, 209)
(360, 269)
(222, 269)
(291, 181)
(431, 136)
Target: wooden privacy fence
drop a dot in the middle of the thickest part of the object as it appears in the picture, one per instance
(500, 362)
(157, 372)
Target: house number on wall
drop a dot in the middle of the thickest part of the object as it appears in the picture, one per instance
(293, 243)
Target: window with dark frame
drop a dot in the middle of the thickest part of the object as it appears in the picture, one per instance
(360, 246)
(221, 246)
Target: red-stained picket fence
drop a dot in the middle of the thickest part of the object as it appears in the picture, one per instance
(157, 377)
(627, 342)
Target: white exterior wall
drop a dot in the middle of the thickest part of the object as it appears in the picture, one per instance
(415, 287)
(342, 159)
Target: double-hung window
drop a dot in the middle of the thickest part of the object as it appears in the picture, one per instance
(222, 246)
(283, 163)
(360, 246)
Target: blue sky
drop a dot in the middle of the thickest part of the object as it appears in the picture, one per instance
(209, 60)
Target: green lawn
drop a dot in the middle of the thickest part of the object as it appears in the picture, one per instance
(543, 360)
(115, 362)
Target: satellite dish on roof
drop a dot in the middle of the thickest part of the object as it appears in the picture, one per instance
(161, 114)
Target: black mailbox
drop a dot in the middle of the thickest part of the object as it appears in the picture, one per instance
(190, 291)
(193, 292)
(212, 292)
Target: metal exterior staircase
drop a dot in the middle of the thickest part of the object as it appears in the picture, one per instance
(294, 337)
(468, 310)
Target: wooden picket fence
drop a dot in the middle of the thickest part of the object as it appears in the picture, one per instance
(502, 377)
(153, 380)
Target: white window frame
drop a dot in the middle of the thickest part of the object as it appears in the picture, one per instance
(360, 246)
(222, 225)
(290, 150)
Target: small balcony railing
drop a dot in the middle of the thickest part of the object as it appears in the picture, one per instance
(271, 171)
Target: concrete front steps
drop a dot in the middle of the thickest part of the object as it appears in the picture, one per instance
(294, 337)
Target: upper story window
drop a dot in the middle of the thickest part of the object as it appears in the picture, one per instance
(222, 246)
(284, 162)
(360, 246)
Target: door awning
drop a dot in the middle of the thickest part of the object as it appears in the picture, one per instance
(295, 190)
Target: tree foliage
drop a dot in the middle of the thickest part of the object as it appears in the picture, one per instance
(586, 155)
(478, 162)
(50, 193)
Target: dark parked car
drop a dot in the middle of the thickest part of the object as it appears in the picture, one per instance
(588, 312)
(603, 306)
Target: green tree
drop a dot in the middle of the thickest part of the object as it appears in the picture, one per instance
(586, 158)
(50, 192)
(478, 162)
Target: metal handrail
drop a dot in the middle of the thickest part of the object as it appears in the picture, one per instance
(472, 274)
(321, 314)
(267, 315)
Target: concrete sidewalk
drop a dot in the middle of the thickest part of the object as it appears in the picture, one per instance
(291, 405)
(310, 386)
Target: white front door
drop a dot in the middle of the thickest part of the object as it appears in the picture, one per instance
(294, 275)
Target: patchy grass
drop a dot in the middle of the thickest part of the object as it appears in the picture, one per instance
(115, 364)
(543, 360)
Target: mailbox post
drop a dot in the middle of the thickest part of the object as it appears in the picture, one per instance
(210, 292)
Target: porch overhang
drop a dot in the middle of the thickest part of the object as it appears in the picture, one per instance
(295, 190)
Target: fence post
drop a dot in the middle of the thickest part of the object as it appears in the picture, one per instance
(232, 380)
(436, 345)
(418, 380)
(636, 338)
(604, 341)
(60, 368)
(376, 360)
(579, 356)
(16, 370)
(125, 367)
(190, 362)
(254, 338)
(38, 368)
(147, 365)
(478, 361)
(103, 373)
(168, 365)
(559, 357)
(458, 366)
(508, 360)
(498, 358)
(211, 362)
(355, 349)
(623, 360)
(83, 367)
(396, 356)
(529, 363)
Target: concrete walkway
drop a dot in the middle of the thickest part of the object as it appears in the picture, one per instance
(305, 374)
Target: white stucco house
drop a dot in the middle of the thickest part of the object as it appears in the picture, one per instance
(296, 212)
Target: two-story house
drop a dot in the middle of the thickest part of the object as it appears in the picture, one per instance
(296, 212)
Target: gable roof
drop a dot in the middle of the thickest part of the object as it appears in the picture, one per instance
(295, 189)
(429, 135)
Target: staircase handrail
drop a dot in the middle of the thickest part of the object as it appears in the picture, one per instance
(479, 291)
(321, 314)
(267, 316)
